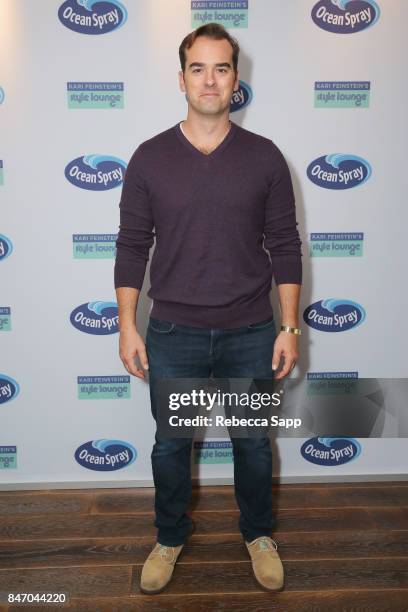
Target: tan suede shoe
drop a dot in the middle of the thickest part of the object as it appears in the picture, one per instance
(158, 568)
(266, 563)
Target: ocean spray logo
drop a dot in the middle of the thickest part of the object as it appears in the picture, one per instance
(213, 452)
(334, 315)
(345, 16)
(241, 98)
(92, 16)
(99, 318)
(2, 95)
(6, 247)
(94, 246)
(336, 244)
(330, 451)
(9, 388)
(96, 172)
(8, 457)
(229, 13)
(5, 318)
(342, 94)
(1, 172)
(339, 171)
(103, 387)
(95, 95)
(105, 455)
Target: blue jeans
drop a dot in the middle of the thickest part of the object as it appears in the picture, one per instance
(180, 351)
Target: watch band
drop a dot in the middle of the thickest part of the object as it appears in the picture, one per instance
(291, 330)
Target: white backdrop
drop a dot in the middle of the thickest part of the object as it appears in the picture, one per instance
(46, 274)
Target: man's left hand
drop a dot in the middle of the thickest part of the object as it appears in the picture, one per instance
(285, 352)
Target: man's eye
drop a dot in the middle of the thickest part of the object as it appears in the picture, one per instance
(196, 70)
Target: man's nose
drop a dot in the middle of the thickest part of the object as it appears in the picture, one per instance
(209, 78)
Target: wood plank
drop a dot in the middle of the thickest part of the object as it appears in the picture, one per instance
(311, 575)
(197, 578)
(114, 551)
(128, 525)
(298, 601)
(103, 581)
(389, 518)
(130, 500)
(285, 497)
(44, 503)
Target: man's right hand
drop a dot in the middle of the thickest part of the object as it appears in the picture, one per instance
(131, 345)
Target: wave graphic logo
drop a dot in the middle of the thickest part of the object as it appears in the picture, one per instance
(98, 318)
(96, 172)
(105, 455)
(1, 95)
(339, 171)
(241, 98)
(92, 16)
(6, 247)
(330, 451)
(345, 16)
(334, 315)
(9, 388)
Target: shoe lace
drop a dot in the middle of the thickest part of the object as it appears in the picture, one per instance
(264, 544)
(164, 552)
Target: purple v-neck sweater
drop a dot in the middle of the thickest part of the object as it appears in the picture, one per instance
(214, 218)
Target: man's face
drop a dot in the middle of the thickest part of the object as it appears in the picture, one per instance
(209, 78)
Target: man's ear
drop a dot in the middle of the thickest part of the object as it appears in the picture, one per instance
(236, 84)
(181, 81)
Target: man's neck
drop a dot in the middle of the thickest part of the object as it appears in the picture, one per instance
(207, 132)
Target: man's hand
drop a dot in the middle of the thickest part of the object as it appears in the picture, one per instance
(131, 345)
(285, 350)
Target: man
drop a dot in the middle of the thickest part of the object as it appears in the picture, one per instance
(218, 197)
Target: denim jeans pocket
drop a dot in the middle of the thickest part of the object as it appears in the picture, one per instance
(161, 327)
(264, 324)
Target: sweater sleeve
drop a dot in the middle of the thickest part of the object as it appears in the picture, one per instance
(281, 237)
(136, 235)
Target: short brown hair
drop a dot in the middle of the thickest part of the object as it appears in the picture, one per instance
(211, 30)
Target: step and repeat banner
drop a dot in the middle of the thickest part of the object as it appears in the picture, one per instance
(82, 84)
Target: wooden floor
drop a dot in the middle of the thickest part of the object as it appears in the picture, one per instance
(344, 547)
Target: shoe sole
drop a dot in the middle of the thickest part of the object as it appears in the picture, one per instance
(156, 591)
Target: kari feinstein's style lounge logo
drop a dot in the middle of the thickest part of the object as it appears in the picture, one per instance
(9, 388)
(6, 247)
(339, 171)
(92, 16)
(336, 244)
(334, 315)
(98, 318)
(342, 94)
(345, 16)
(330, 451)
(94, 246)
(241, 98)
(213, 451)
(8, 457)
(105, 455)
(96, 172)
(5, 318)
(229, 13)
(93, 94)
(103, 387)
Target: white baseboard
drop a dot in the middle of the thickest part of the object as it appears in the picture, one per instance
(125, 484)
